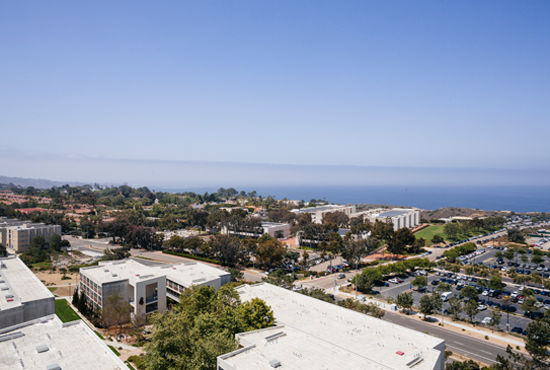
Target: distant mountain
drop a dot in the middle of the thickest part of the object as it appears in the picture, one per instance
(37, 183)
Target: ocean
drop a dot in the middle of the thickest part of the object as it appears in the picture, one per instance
(519, 199)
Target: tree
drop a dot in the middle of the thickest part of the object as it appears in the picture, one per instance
(420, 281)
(452, 230)
(536, 259)
(236, 275)
(405, 236)
(427, 305)
(337, 218)
(465, 365)
(354, 251)
(516, 236)
(495, 318)
(364, 282)
(3, 251)
(405, 301)
(495, 282)
(56, 243)
(509, 254)
(471, 309)
(270, 252)
(455, 307)
(115, 311)
(529, 305)
(227, 249)
(437, 239)
(470, 293)
(255, 314)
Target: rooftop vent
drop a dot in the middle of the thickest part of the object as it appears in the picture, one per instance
(275, 363)
(105, 270)
(5, 288)
(275, 336)
(9, 296)
(400, 353)
(42, 348)
(199, 280)
(11, 336)
(53, 367)
(113, 274)
(2, 281)
(415, 361)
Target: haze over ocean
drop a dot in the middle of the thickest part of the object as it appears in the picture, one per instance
(489, 198)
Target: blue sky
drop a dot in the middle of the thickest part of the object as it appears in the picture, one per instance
(361, 83)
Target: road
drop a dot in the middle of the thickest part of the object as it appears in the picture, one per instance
(457, 343)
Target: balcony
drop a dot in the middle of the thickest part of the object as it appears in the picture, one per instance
(151, 299)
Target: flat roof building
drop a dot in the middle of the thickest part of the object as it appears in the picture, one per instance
(47, 343)
(6, 222)
(399, 217)
(313, 334)
(317, 213)
(141, 286)
(23, 297)
(274, 229)
(183, 276)
(146, 288)
(19, 237)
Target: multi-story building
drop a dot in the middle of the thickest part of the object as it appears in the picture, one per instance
(19, 237)
(23, 297)
(145, 288)
(399, 217)
(182, 276)
(318, 213)
(49, 344)
(141, 286)
(313, 334)
(274, 229)
(6, 222)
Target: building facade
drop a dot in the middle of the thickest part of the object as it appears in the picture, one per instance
(19, 237)
(399, 217)
(23, 296)
(274, 229)
(318, 213)
(145, 288)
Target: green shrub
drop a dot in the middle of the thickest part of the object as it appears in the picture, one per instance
(138, 361)
(186, 255)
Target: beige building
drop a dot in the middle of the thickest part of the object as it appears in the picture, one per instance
(19, 237)
(317, 213)
(4, 223)
(399, 217)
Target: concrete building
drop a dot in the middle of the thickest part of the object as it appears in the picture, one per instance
(186, 234)
(142, 286)
(275, 229)
(317, 213)
(23, 297)
(47, 343)
(19, 237)
(6, 222)
(182, 276)
(312, 334)
(400, 217)
(303, 240)
(146, 288)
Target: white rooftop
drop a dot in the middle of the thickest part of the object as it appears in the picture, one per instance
(71, 345)
(108, 272)
(29, 226)
(363, 336)
(17, 280)
(191, 273)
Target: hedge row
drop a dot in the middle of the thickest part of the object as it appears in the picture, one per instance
(187, 255)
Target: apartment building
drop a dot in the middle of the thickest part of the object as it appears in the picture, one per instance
(19, 237)
(317, 213)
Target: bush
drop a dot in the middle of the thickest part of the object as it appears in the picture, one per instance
(186, 255)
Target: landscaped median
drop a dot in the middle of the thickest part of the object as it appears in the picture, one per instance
(186, 255)
(64, 311)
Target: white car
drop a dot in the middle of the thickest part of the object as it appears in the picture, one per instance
(514, 294)
(521, 288)
(547, 306)
(521, 300)
(538, 304)
(481, 307)
(297, 288)
(485, 292)
(393, 281)
(487, 321)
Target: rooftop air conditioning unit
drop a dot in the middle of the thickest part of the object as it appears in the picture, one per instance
(275, 363)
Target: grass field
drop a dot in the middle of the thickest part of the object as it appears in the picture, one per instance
(64, 311)
(52, 289)
(429, 232)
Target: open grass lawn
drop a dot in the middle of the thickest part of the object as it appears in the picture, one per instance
(429, 232)
(52, 289)
(43, 265)
(64, 311)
